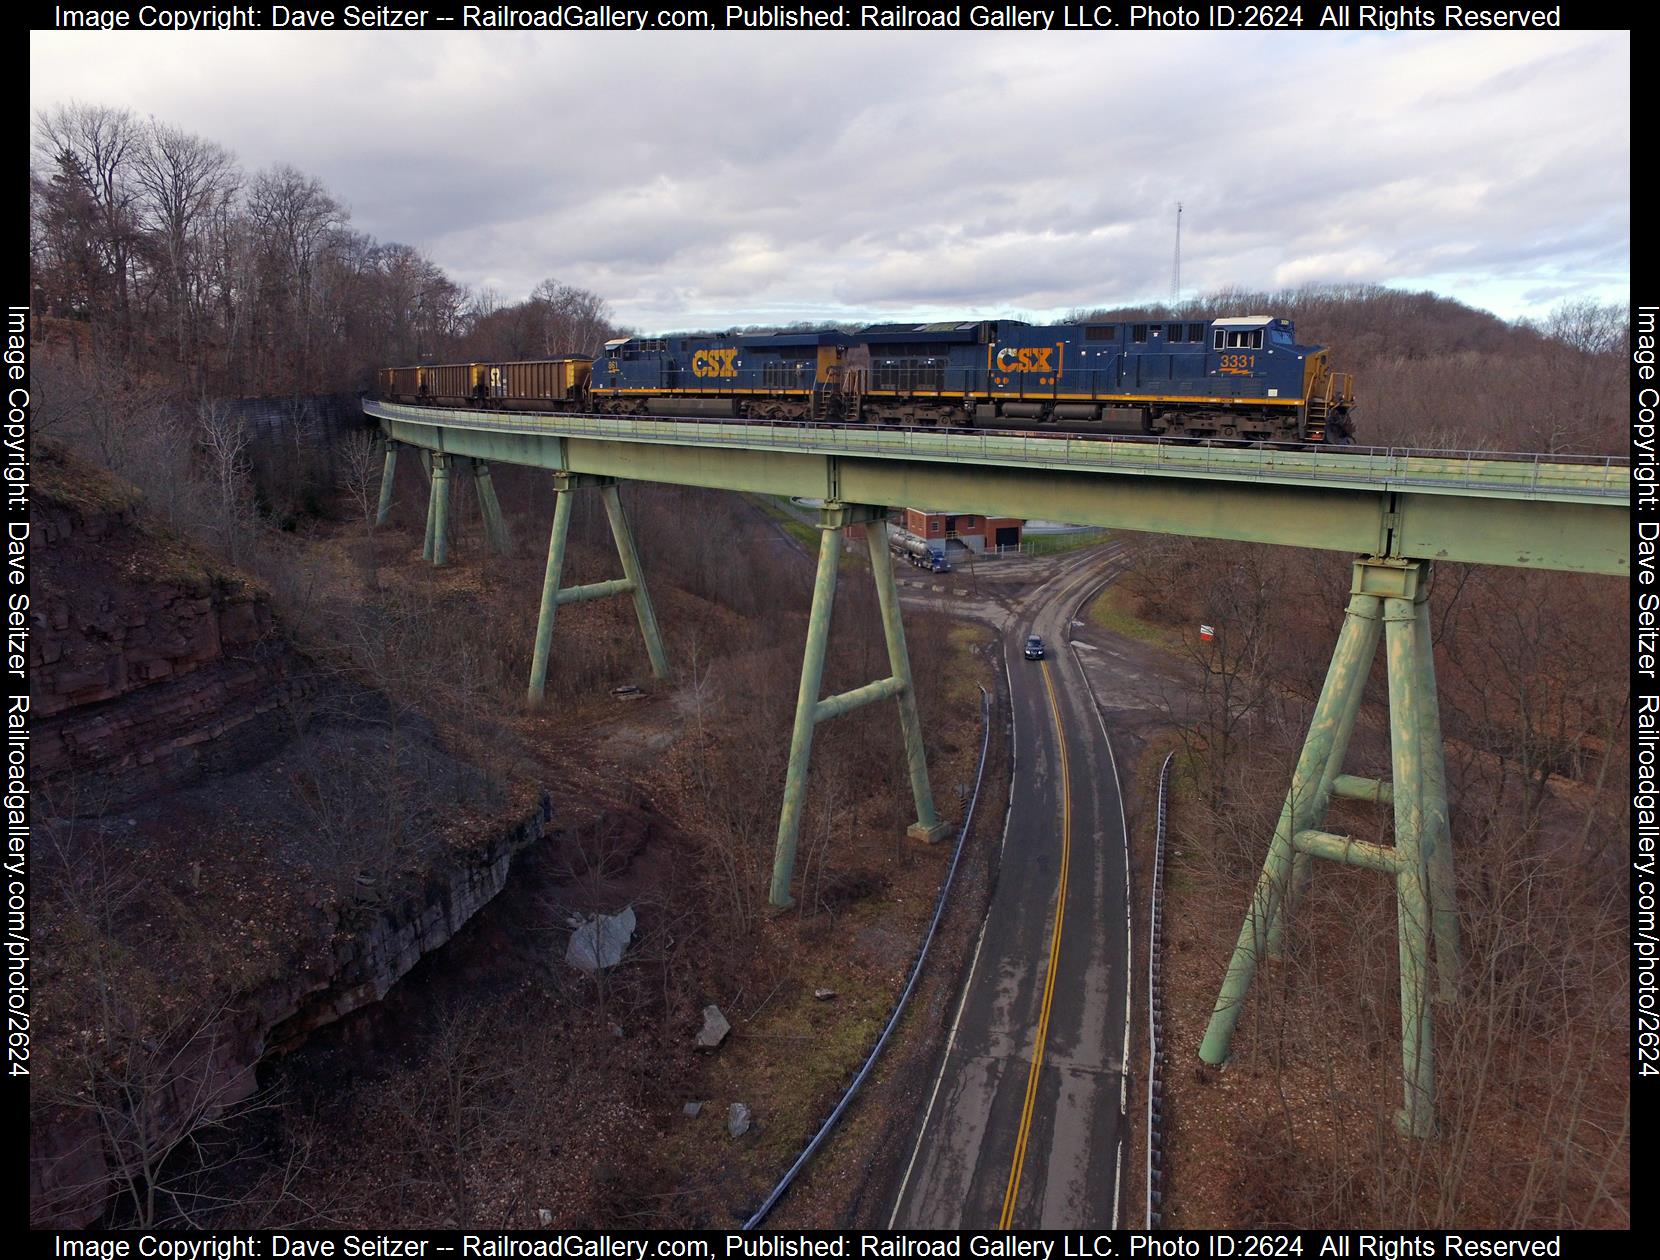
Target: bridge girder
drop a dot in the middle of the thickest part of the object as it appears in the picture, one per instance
(1412, 517)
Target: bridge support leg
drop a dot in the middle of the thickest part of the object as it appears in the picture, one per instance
(806, 697)
(550, 594)
(810, 710)
(440, 510)
(643, 611)
(1449, 954)
(1388, 595)
(631, 583)
(927, 825)
(1364, 613)
(1412, 913)
(489, 508)
(387, 473)
(432, 503)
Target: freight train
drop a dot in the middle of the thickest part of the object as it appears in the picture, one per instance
(1244, 379)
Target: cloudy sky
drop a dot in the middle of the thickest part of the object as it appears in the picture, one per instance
(709, 179)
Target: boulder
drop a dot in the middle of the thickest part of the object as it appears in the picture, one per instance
(738, 1117)
(599, 943)
(714, 1030)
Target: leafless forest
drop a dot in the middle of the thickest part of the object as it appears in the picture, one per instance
(169, 282)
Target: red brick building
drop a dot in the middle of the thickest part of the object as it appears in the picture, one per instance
(977, 533)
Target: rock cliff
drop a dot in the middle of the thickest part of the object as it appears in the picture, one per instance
(184, 867)
(150, 663)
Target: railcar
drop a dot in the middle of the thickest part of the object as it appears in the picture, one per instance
(530, 385)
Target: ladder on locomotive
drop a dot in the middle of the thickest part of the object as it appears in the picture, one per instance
(828, 402)
(1317, 408)
(1325, 393)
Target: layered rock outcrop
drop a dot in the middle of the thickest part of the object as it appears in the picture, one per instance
(207, 1070)
(155, 673)
(148, 663)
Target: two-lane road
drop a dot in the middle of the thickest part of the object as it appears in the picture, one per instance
(1024, 1126)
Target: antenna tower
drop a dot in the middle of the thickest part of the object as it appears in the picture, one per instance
(1176, 273)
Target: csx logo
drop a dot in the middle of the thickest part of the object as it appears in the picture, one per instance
(1025, 359)
(715, 362)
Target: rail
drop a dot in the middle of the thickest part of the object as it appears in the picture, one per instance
(1155, 1017)
(794, 1170)
(1500, 473)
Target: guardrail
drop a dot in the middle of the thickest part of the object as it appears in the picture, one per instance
(1155, 1018)
(1498, 472)
(794, 1170)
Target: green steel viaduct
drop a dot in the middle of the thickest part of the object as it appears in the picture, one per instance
(1397, 512)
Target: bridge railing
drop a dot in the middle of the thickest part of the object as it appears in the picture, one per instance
(1512, 472)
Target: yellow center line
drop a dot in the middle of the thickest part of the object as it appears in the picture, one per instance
(1006, 1221)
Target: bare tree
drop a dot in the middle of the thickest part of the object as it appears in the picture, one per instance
(1590, 327)
(295, 218)
(224, 441)
(449, 1112)
(90, 152)
(573, 321)
(361, 465)
(183, 180)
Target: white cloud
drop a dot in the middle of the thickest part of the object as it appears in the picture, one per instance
(714, 179)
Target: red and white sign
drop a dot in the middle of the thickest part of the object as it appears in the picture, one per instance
(1207, 633)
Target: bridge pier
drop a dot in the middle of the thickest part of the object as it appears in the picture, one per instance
(495, 524)
(439, 508)
(388, 474)
(437, 467)
(1389, 599)
(810, 710)
(432, 504)
(631, 583)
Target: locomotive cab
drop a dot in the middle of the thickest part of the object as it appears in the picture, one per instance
(1258, 357)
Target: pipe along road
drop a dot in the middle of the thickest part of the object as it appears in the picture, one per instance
(1025, 1124)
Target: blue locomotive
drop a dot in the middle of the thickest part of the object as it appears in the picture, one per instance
(1242, 378)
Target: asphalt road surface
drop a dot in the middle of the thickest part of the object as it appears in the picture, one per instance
(1025, 1125)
